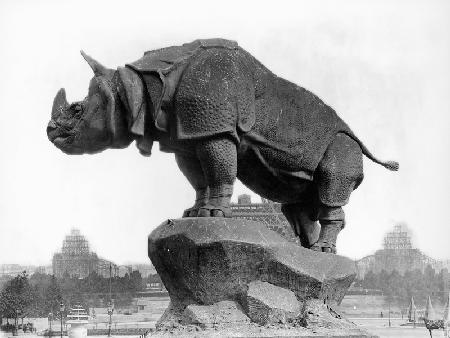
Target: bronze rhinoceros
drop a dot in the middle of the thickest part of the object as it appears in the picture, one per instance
(224, 115)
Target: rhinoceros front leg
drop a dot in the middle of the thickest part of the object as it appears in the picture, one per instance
(218, 158)
(191, 168)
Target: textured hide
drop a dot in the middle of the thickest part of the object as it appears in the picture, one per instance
(211, 87)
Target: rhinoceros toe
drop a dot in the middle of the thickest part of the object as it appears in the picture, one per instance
(324, 247)
(214, 211)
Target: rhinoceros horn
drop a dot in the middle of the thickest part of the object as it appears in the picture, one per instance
(96, 66)
(59, 104)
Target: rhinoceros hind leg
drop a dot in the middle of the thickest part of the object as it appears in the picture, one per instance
(302, 220)
(339, 172)
(332, 221)
(191, 168)
(218, 158)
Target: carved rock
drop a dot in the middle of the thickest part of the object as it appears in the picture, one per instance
(225, 313)
(207, 260)
(270, 304)
(228, 273)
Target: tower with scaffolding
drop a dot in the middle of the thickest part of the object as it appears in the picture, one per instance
(399, 254)
(399, 239)
(77, 260)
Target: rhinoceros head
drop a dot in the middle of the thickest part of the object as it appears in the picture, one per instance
(91, 125)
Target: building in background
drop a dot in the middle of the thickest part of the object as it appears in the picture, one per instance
(399, 254)
(267, 212)
(144, 269)
(122, 270)
(364, 265)
(13, 270)
(76, 259)
(103, 267)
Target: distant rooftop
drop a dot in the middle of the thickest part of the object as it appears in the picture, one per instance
(247, 199)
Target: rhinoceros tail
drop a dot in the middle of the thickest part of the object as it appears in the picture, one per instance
(391, 165)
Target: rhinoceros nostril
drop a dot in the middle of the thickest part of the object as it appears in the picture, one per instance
(52, 130)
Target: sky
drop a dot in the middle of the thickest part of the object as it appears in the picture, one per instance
(382, 65)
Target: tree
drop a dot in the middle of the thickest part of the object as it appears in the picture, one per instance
(17, 297)
(370, 280)
(155, 278)
(429, 277)
(394, 288)
(443, 283)
(52, 296)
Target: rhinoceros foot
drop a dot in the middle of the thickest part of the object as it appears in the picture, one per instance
(214, 211)
(324, 247)
(328, 236)
(191, 212)
(207, 211)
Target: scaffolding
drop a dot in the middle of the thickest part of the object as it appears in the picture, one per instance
(77, 260)
(398, 239)
(75, 244)
(399, 254)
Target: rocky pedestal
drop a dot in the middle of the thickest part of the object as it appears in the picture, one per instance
(230, 277)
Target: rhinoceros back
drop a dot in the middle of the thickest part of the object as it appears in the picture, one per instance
(216, 95)
(181, 97)
(211, 87)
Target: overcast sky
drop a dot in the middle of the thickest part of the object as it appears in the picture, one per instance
(382, 65)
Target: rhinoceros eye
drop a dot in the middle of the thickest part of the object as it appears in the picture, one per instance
(75, 109)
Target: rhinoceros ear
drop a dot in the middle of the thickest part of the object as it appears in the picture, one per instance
(96, 66)
(133, 89)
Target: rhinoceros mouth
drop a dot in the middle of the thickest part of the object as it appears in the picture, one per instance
(62, 132)
(63, 139)
(56, 131)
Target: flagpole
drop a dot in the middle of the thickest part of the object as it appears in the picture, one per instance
(110, 305)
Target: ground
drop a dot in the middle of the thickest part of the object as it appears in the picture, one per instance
(377, 326)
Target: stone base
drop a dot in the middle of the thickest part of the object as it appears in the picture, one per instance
(229, 319)
(226, 313)
(236, 278)
(257, 331)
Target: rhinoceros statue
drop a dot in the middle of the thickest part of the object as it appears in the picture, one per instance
(225, 116)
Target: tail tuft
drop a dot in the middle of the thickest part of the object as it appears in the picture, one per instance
(391, 165)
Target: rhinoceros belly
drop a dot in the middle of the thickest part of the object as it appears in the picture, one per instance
(271, 183)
